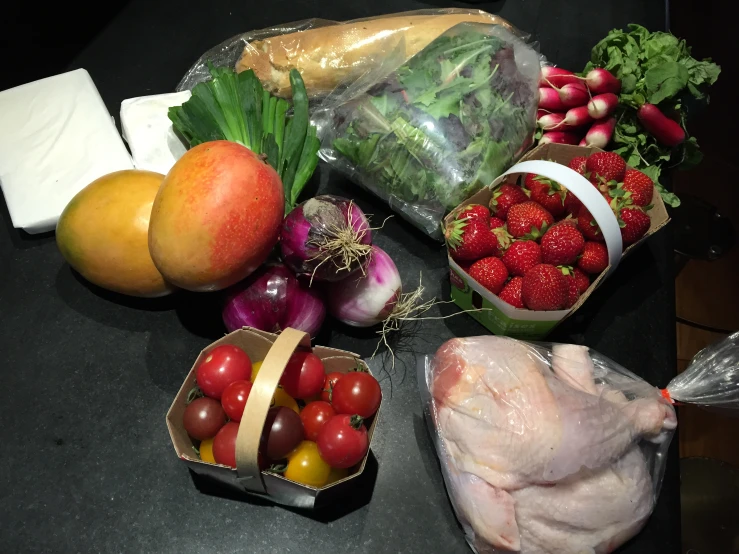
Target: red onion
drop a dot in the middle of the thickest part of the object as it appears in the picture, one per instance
(272, 299)
(325, 238)
(368, 298)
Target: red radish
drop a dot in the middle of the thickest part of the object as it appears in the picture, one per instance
(559, 137)
(556, 76)
(600, 133)
(602, 105)
(583, 142)
(576, 117)
(601, 80)
(573, 95)
(549, 100)
(664, 129)
(550, 121)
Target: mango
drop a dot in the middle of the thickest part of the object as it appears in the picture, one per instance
(103, 233)
(216, 216)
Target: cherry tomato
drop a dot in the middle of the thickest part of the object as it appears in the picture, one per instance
(356, 393)
(206, 451)
(328, 384)
(303, 376)
(282, 432)
(314, 416)
(224, 444)
(234, 399)
(281, 398)
(336, 474)
(343, 441)
(255, 367)
(223, 365)
(305, 465)
(203, 418)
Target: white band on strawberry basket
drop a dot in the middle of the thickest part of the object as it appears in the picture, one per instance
(587, 194)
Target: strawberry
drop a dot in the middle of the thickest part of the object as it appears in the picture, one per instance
(470, 239)
(490, 273)
(511, 293)
(504, 197)
(474, 211)
(639, 185)
(572, 204)
(573, 293)
(594, 258)
(521, 256)
(544, 288)
(605, 166)
(578, 164)
(587, 225)
(546, 192)
(634, 223)
(496, 222)
(582, 280)
(571, 221)
(528, 218)
(561, 245)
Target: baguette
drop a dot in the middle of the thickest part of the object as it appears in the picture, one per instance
(329, 56)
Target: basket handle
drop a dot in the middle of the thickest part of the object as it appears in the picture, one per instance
(585, 193)
(258, 404)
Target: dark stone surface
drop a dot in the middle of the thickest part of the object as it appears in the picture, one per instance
(87, 461)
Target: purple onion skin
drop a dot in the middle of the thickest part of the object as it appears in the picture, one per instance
(305, 223)
(273, 299)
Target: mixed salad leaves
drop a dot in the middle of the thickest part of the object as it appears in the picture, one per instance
(236, 107)
(442, 126)
(654, 68)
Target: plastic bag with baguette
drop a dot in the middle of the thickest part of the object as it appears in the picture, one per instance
(329, 54)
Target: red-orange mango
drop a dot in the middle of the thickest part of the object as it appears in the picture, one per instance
(216, 216)
(103, 233)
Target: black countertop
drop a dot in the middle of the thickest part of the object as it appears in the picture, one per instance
(87, 463)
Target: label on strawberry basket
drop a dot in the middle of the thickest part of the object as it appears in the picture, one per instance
(492, 318)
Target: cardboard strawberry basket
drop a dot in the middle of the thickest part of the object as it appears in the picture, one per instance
(275, 351)
(549, 160)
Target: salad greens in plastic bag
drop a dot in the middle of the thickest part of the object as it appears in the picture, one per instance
(441, 126)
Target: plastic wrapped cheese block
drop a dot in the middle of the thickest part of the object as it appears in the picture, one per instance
(57, 137)
(149, 133)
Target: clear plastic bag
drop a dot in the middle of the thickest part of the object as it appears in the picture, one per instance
(327, 60)
(552, 448)
(427, 133)
(545, 448)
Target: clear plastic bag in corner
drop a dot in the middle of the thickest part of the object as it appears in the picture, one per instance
(545, 448)
(438, 127)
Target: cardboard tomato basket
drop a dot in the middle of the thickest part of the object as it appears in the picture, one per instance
(549, 160)
(275, 351)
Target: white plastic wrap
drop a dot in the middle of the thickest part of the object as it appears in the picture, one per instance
(545, 448)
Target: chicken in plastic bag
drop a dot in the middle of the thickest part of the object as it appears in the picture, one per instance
(438, 127)
(555, 449)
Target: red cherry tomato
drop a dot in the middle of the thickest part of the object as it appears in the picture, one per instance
(303, 376)
(328, 384)
(223, 365)
(224, 445)
(343, 441)
(356, 393)
(314, 416)
(234, 398)
(203, 418)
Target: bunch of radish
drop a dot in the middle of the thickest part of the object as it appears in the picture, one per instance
(577, 110)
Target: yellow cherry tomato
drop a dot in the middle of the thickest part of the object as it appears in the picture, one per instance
(255, 367)
(281, 398)
(206, 451)
(305, 465)
(337, 474)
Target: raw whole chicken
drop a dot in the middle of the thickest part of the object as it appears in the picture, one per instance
(542, 453)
